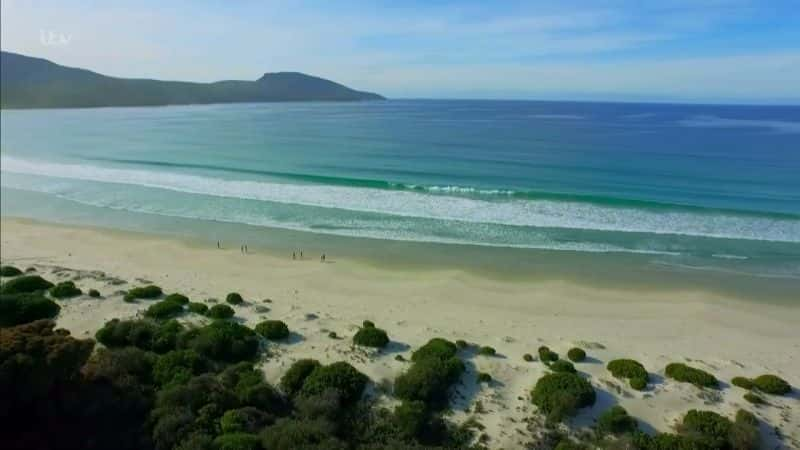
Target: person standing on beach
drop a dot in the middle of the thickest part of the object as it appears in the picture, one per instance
(294, 256)
(218, 244)
(322, 258)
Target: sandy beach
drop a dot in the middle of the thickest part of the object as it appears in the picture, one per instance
(727, 337)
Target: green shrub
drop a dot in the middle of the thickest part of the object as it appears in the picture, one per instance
(487, 351)
(576, 354)
(292, 381)
(436, 348)
(65, 289)
(411, 417)
(301, 434)
(163, 310)
(562, 365)
(224, 341)
(638, 384)
(744, 433)
(333, 335)
(462, 344)
(628, 368)
(707, 427)
(682, 372)
(237, 441)
(244, 420)
(16, 309)
(484, 377)
(274, 330)
(368, 324)
(25, 284)
(567, 444)
(220, 312)
(546, 355)
(197, 441)
(753, 398)
(144, 292)
(371, 337)
(527, 357)
(94, 293)
(198, 308)
(144, 334)
(341, 377)
(772, 384)
(177, 298)
(742, 382)
(234, 298)
(9, 271)
(428, 380)
(561, 394)
(179, 366)
(616, 420)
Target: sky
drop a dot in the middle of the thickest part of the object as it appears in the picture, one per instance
(729, 51)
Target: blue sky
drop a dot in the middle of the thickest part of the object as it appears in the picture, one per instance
(670, 50)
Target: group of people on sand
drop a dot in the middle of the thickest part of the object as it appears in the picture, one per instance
(294, 256)
(243, 250)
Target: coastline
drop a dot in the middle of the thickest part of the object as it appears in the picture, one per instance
(719, 333)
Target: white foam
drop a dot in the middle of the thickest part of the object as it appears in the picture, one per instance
(516, 212)
(781, 126)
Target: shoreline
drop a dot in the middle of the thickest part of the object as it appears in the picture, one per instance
(724, 335)
(613, 270)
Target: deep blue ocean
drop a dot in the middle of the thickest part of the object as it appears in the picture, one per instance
(708, 185)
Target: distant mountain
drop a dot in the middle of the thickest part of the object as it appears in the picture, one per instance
(27, 82)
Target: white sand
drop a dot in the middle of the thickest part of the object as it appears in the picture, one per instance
(726, 337)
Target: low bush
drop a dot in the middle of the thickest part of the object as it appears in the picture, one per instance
(561, 394)
(484, 377)
(237, 441)
(772, 384)
(94, 293)
(627, 368)
(436, 348)
(234, 298)
(745, 434)
(428, 380)
(144, 334)
(411, 418)
(742, 382)
(546, 355)
(562, 365)
(178, 367)
(616, 420)
(25, 284)
(754, 398)
(341, 377)
(223, 341)
(143, 292)
(244, 420)
(487, 351)
(708, 427)
(220, 312)
(639, 384)
(368, 324)
(527, 357)
(462, 344)
(177, 298)
(163, 310)
(65, 289)
(700, 378)
(9, 271)
(371, 337)
(292, 381)
(301, 434)
(198, 308)
(16, 309)
(274, 330)
(576, 354)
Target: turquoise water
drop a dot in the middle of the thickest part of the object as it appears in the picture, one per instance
(705, 187)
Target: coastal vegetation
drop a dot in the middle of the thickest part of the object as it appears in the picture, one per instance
(143, 292)
(154, 383)
(25, 284)
(698, 377)
(234, 298)
(9, 271)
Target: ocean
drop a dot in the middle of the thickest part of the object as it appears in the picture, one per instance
(687, 188)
